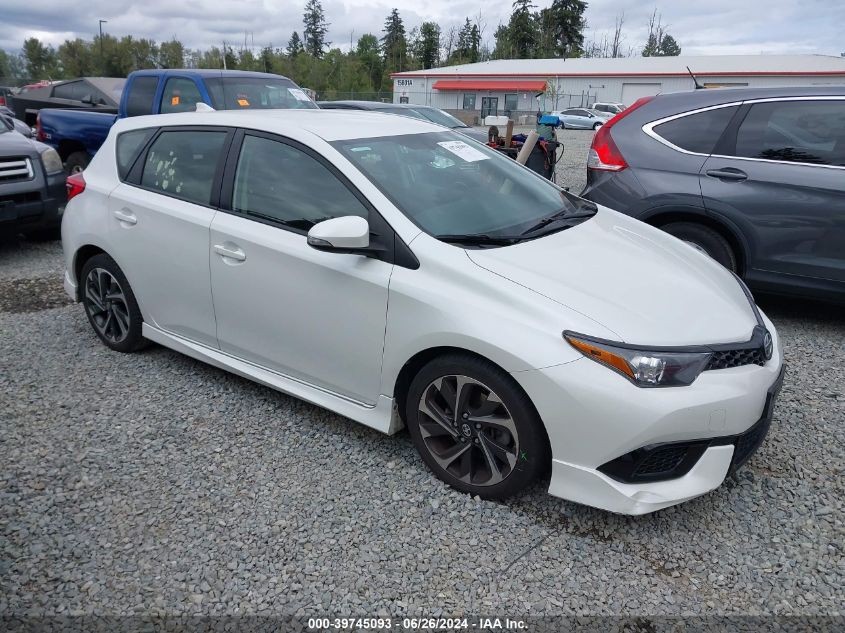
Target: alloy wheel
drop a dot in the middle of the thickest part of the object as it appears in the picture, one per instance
(106, 304)
(468, 430)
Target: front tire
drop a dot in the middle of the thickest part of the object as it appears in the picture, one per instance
(475, 428)
(110, 304)
(596, 126)
(704, 239)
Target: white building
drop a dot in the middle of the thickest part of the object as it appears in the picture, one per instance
(511, 86)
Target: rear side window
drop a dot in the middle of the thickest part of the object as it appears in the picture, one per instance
(697, 132)
(141, 94)
(128, 146)
(73, 90)
(182, 164)
(278, 182)
(180, 95)
(794, 131)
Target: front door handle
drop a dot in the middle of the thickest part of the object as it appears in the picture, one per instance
(230, 252)
(125, 216)
(728, 173)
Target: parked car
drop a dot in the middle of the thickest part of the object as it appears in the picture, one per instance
(610, 108)
(5, 93)
(391, 271)
(421, 112)
(753, 177)
(98, 94)
(78, 135)
(10, 122)
(580, 119)
(32, 186)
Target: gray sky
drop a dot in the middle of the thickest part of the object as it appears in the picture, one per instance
(702, 28)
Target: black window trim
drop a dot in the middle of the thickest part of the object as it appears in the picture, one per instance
(723, 143)
(136, 172)
(395, 251)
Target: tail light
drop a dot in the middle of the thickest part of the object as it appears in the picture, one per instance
(75, 184)
(39, 133)
(604, 155)
(2, 100)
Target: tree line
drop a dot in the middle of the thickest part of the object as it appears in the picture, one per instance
(556, 31)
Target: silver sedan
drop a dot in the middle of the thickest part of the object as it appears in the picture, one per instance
(581, 118)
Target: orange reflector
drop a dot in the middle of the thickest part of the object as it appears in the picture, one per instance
(602, 356)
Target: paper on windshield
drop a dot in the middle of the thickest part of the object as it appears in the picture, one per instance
(463, 151)
(298, 94)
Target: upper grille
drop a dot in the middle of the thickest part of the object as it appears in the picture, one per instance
(724, 359)
(15, 169)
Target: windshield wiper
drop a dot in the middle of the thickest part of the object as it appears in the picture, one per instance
(473, 239)
(561, 216)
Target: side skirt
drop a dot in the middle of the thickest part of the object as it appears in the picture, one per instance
(381, 417)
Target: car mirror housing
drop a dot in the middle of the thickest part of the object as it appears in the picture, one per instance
(346, 234)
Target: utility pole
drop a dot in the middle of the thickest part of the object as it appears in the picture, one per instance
(101, 41)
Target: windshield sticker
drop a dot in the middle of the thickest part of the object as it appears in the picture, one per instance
(174, 101)
(244, 103)
(463, 151)
(298, 94)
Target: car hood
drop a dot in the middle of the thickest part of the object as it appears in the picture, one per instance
(14, 144)
(639, 282)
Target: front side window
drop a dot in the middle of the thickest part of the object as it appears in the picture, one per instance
(697, 132)
(257, 93)
(278, 182)
(180, 95)
(469, 101)
(452, 186)
(182, 164)
(794, 131)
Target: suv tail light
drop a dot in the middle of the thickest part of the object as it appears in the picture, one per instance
(75, 184)
(604, 155)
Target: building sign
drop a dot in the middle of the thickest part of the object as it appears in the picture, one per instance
(404, 82)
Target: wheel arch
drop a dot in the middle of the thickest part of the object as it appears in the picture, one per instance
(68, 147)
(82, 255)
(661, 217)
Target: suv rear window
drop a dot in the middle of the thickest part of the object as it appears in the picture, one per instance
(697, 132)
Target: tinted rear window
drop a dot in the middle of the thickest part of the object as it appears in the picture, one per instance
(128, 146)
(141, 93)
(697, 132)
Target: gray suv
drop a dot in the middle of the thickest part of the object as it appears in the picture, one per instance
(753, 177)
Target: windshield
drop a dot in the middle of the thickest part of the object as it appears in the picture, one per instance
(403, 111)
(449, 185)
(256, 93)
(441, 118)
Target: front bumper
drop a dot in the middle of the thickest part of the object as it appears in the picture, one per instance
(33, 205)
(593, 416)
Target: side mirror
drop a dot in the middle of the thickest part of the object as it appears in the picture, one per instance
(346, 234)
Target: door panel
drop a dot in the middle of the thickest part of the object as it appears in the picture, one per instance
(312, 315)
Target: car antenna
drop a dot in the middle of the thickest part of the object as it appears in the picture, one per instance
(698, 86)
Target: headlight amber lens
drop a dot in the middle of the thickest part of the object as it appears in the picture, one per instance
(643, 367)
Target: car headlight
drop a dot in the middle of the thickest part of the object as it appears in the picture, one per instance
(51, 160)
(642, 366)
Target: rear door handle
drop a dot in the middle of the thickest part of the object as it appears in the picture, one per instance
(728, 173)
(230, 252)
(125, 216)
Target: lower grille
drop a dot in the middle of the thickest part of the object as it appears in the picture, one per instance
(748, 443)
(663, 460)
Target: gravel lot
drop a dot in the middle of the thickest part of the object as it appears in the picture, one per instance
(154, 484)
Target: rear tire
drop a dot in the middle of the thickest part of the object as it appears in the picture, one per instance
(475, 428)
(705, 239)
(77, 162)
(597, 125)
(110, 304)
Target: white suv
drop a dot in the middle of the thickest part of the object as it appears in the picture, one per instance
(399, 274)
(610, 108)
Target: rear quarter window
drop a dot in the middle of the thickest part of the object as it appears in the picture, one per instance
(699, 132)
(129, 145)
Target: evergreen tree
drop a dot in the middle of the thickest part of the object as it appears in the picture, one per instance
(429, 47)
(562, 27)
(394, 45)
(315, 28)
(369, 56)
(669, 47)
(522, 30)
(41, 61)
(294, 45)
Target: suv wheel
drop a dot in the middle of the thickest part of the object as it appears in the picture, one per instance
(110, 304)
(76, 162)
(475, 428)
(704, 239)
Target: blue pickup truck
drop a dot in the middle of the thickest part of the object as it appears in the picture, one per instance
(77, 135)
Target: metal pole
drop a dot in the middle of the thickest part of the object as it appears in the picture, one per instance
(101, 39)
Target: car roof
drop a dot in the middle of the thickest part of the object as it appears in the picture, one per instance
(208, 73)
(330, 125)
(690, 99)
(370, 105)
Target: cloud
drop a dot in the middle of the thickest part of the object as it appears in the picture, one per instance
(715, 27)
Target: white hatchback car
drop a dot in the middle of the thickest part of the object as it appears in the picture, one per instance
(399, 273)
